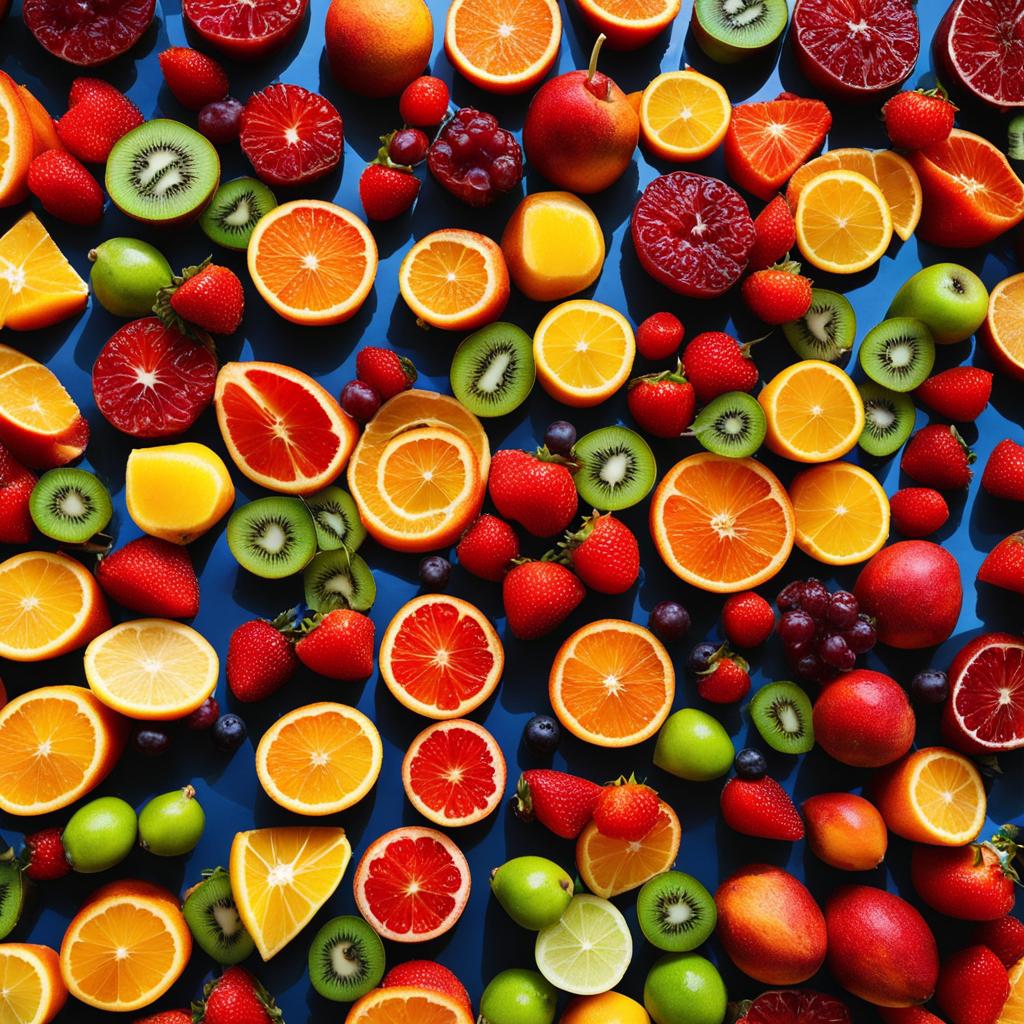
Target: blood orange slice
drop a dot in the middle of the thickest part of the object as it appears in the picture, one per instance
(454, 773)
(151, 381)
(281, 428)
(88, 32)
(246, 31)
(412, 884)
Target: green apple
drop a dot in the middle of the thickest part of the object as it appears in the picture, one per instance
(533, 890)
(518, 996)
(694, 746)
(126, 276)
(683, 988)
(100, 834)
(949, 298)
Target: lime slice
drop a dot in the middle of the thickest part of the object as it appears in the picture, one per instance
(588, 950)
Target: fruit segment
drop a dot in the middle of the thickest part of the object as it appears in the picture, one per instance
(31, 988)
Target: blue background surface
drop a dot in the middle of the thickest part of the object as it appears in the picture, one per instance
(485, 941)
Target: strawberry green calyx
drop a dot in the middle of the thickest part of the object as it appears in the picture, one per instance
(163, 309)
(724, 654)
(969, 452)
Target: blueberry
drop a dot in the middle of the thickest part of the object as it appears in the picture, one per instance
(669, 621)
(700, 657)
(560, 437)
(229, 733)
(434, 572)
(152, 742)
(751, 764)
(542, 734)
(930, 686)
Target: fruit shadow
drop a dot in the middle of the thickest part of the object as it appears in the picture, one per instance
(745, 77)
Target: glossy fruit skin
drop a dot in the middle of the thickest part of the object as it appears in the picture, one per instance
(1004, 564)
(659, 336)
(973, 986)
(662, 404)
(228, 733)
(761, 808)
(930, 686)
(519, 996)
(44, 856)
(538, 597)
(260, 660)
(959, 394)
(171, 825)
(221, 121)
(193, 78)
(152, 577)
(127, 274)
(917, 512)
(774, 234)
(542, 735)
(16, 483)
(684, 988)
(748, 619)
(65, 188)
(100, 834)
(604, 554)
(915, 119)
(534, 891)
(937, 456)
(845, 831)
(474, 158)
(487, 548)
(434, 572)
(1004, 936)
(424, 102)
(359, 400)
(606, 1008)
(693, 745)
(669, 621)
(339, 646)
(427, 974)
(948, 298)
(561, 802)
(965, 882)
(386, 193)
(1004, 472)
(626, 809)
(800, 1006)
(750, 764)
(532, 490)
(98, 115)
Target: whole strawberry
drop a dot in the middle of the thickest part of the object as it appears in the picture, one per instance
(1004, 936)
(562, 803)
(918, 511)
(774, 235)
(958, 394)
(151, 577)
(44, 857)
(193, 78)
(168, 1017)
(488, 548)
(98, 115)
(726, 680)
(536, 491)
(236, 997)
(973, 987)
(338, 645)
(208, 297)
(604, 553)
(662, 404)
(387, 189)
(538, 597)
(914, 120)
(16, 484)
(1004, 472)
(626, 809)
(65, 188)
(385, 371)
(971, 883)
(659, 336)
(261, 658)
(747, 619)
(424, 102)
(715, 362)
(761, 808)
(778, 294)
(937, 456)
(1004, 564)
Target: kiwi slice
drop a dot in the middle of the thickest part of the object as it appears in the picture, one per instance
(676, 912)
(732, 424)
(272, 537)
(212, 917)
(616, 468)
(338, 579)
(336, 519)
(731, 30)
(493, 370)
(346, 959)
(898, 354)
(162, 172)
(12, 892)
(235, 210)
(826, 331)
(69, 505)
(888, 419)
(782, 714)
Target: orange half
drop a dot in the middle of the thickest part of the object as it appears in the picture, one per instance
(17, 143)
(407, 1005)
(31, 988)
(684, 115)
(1003, 330)
(629, 24)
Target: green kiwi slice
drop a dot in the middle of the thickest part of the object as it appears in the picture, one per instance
(212, 917)
(898, 354)
(336, 519)
(272, 537)
(731, 30)
(888, 419)
(781, 713)
(12, 892)
(675, 912)
(69, 505)
(162, 172)
(338, 579)
(826, 331)
(493, 370)
(346, 959)
(235, 210)
(616, 468)
(732, 424)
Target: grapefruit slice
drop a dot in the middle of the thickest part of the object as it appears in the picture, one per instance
(1003, 330)
(89, 32)
(245, 31)
(412, 884)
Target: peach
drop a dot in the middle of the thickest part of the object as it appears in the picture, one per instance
(845, 831)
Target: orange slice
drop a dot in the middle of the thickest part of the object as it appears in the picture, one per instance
(842, 513)
(612, 683)
(1003, 330)
(49, 605)
(815, 412)
(31, 988)
(684, 115)
(610, 866)
(44, 128)
(722, 524)
(629, 24)
(503, 46)
(1013, 1009)
(281, 428)
(280, 878)
(319, 759)
(17, 143)
(125, 948)
(408, 1005)
(57, 743)
(312, 261)
(455, 279)
(152, 669)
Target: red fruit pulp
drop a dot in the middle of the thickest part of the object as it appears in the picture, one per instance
(795, 1006)
(247, 30)
(88, 32)
(856, 49)
(151, 381)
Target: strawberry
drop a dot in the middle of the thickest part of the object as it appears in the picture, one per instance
(385, 371)
(1004, 936)
(538, 597)
(261, 658)
(387, 189)
(972, 883)
(907, 1015)
(338, 645)
(604, 553)
(778, 294)
(959, 394)
(748, 619)
(760, 808)
(488, 548)
(626, 809)
(236, 997)
(918, 511)
(937, 456)
(659, 336)
(65, 188)
(208, 297)
(193, 78)
(424, 102)
(430, 975)
(16, 484)
(97, 117)
(1004, 564)
(726, 679)
(562, 803)
(44, 857)
(168, 1017)
(1004, 471)
(662, 404)
(774, 235)
(715, 363)
(535, 491)
(914, 120)
(972, 987)
(151, 577)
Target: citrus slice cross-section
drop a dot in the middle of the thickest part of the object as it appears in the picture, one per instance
(1003, 330)
(31, 988)
(403, 1004)
(684, 115)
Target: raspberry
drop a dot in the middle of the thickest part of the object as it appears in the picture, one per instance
(475, 159)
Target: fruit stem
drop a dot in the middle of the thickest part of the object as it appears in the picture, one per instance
(594, 54)
(189, 792)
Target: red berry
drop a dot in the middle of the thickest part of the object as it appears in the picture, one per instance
(424, 102)
(261, 659)
(561, 802)
(387, 192)
(193, 78)
(338, 645)
(774, 235)
(659, 336)
(204, 717)
(663, 404)
(959, 394)
(1004, 564)
(360, 401)
(538, 597)
(918, 511)
(1004, 936)
(45, 859)
(385, 371)
(726, 679)
(914, 120)
(97, 117)
(151, 577)
(221, 122)
(972, 987)
(488, 548)
(236, 997)
(208, 296)
(747, 619)
(1004, 472)
(536, 491)
(761, 808)
(626, 810)
(65, 188)
(779, 294)
(475, 159)
(937, 456)
(715, 363)
(16, 483)
(604, 553)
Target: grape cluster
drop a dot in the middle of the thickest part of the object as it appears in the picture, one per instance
(474, 158)
(823, 633)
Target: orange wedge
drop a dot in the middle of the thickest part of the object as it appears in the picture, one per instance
(612, 683)
(319, 759)
(125, 948)
(722, 524)
(1003, 330)
(407, 1005)
(1013, 1009)
(312, 261)
(503, 46)
(629, 24)
(455, 279)
(17, 143)
(44, 128)
(280, 878)
(31, 988)
(610, 866)
(684, 115)
(57, 743)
